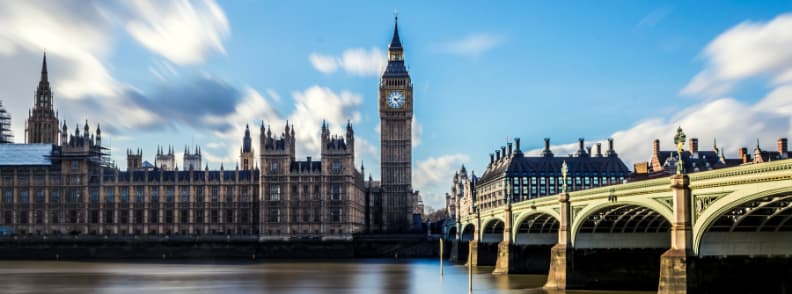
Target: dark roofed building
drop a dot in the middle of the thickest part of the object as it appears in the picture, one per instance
(512, 175)
(664, 162)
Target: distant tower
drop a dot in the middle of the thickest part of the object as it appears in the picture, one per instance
(5, 126)
(192, 160)
(396, 111)
(134, 160)
(42, 124)
(246, 153)
(165, 161)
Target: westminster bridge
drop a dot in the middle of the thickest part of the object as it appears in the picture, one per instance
(682, 234)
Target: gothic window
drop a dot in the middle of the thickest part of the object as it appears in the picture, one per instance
(274, 167)
(274, 215)
(124, 195)
(336, 167)
(75, 165)
(108, 216)
(215, 194)
(54, 197)
(8, 198)
(335, 215)
(155, 195)
(109, 195)
(94, 196)
(335, 192)
(40, 197)
(274, 193)
(138, 194)
(169, 194)
(185, 195)
(23, 197)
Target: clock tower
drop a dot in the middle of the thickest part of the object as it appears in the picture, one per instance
(396, 111)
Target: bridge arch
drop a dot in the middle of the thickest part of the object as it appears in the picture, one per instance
(468, 232)
(746, 222)
(536, 228)
(630, 224)
(492, 230)
(452, 233)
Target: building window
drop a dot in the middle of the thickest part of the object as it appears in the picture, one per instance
(215, 194)
(274, 193)
(336, 166)
(24, 197)
(75, 165)
(8, 197)
(40, 197)
(335, 192)
(185, 195)
(95, 196)
(124, 195)
(274, 167)
(54, 197)
(274, 215)
(108, 216)
(109, 195)
(335, 215)
(170, 194)
(138, 194)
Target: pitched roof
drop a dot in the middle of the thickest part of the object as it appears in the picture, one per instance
(25, 154)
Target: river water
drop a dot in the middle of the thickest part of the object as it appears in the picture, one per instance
(351, 276)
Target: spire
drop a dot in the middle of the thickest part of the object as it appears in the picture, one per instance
(396, 41)
(44, 68)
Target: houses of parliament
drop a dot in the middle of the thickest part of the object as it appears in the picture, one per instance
(62, 182)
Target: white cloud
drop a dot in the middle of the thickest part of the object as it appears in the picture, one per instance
(432, 176)
(473, 44)
(316, 104)
(356, 61)
(182, 31)
(747, 50)
(417, 133)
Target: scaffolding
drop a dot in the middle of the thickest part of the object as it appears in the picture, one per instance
(6, 137)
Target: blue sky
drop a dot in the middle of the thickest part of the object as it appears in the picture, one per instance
(179, 72)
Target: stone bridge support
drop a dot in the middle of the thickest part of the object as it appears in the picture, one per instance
(456, 255)
(677, 265)
(504, 261)
(561, 274)
(474, 244)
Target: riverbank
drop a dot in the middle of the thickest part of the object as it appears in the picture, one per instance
(215, 248)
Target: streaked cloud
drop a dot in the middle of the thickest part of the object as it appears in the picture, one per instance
(654, 17)
(355, 61)
(182, 31)
(474, 44)
(749, 49)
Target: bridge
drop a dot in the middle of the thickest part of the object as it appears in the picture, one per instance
(677, 233)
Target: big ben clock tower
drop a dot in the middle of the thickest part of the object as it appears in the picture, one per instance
(396, 111)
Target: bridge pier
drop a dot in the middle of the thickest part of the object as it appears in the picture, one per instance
(474, 244)
(504, 262)
(562, 256)
(678, 264)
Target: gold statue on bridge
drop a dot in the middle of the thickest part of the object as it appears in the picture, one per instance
(679, 140)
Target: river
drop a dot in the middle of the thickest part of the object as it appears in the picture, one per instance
(332, 276)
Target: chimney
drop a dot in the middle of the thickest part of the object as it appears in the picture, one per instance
(581, 149)
(599, 149)
(744, 154)
(656, 146)
(510, 148)
(517, 144)
(782, 146)
(547, 152)
(492, 158)
(497, 155)
(610, 148)
(503, 152)
(693, 145)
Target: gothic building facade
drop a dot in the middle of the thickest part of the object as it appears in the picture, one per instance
(64, 183)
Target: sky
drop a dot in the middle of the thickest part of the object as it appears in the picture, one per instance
(196, 72)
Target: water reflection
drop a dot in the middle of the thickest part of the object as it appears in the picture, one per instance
(351, 276)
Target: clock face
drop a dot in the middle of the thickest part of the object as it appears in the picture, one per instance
(395, 99)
